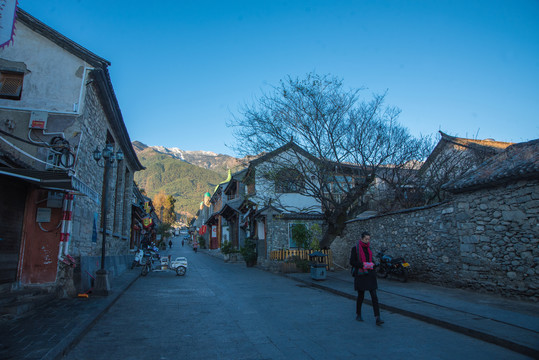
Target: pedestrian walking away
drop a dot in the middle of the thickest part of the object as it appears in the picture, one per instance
(170, 244)
(182, 243)
(364, 274)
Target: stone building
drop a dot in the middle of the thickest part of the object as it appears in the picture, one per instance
(450, 159)
(51, 188)
(254, 205)
(485, 236)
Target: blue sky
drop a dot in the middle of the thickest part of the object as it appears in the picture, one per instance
(181, 68)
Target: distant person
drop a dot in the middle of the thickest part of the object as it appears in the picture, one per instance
(145, 241)
(361, 260)
(182, 243)
(170, 244)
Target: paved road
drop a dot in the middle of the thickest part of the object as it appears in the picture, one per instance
(227, 311)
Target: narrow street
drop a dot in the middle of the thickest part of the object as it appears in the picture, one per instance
(228, 311)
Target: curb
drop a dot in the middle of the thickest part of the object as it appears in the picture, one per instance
(522, 349)
(63, 347)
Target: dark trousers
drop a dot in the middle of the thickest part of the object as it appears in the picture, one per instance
(374, 299)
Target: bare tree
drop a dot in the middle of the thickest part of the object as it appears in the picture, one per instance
(347, 141)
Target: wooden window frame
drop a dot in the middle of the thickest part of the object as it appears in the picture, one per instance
(13, 77)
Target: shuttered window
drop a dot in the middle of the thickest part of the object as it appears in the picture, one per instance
(11, 85)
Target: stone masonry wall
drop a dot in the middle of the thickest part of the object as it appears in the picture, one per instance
(486, 240)
(277, 233)
(94, 125)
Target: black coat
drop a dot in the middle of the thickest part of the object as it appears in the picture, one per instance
(367, 281)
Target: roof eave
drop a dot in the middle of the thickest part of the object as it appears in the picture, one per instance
(61, 40)
(110, 103)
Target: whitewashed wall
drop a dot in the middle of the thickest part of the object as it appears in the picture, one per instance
(289, 202)
(55, 78)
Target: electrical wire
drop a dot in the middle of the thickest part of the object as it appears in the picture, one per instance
(45, 230)
(30, 156)
(21, 139)
(59, 146)
(35, 142)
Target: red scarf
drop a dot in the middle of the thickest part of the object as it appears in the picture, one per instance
(361, 253)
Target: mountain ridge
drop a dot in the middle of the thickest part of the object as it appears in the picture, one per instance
(220, 163)
(186, 175)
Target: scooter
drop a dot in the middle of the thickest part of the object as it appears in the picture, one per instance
(139, 259)
(397, 267)
(142, 255)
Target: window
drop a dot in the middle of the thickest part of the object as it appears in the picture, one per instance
(298, 236)
(291, 243)
(11, 85)
(289, 181)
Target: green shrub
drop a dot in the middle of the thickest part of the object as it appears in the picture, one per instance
(248, 251)
(228, 248)
(301, 236)
(201, 242)
(303, 265)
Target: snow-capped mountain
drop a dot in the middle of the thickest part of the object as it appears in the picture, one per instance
(204, 159)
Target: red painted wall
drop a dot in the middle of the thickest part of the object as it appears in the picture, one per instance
(39, 249)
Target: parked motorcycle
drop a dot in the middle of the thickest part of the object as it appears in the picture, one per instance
(143, 254)
(387, 265)
(147, 267)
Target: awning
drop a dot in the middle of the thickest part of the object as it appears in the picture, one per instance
(213, 219)
(228, 211)
(53, 180)
(15, 66)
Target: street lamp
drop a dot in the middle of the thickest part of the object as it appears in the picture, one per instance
(102, 285)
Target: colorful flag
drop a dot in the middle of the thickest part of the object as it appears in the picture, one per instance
(7, 21)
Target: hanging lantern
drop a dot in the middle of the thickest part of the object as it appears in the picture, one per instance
(202, 229)
(147, 207)
(147, 222)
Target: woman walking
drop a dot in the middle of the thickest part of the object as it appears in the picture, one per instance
(361, 260)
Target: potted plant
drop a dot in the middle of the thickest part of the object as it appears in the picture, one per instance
(227, 249)
(201, 242)
(248, 251)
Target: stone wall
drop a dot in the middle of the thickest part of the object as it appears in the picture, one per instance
(277, 232)
(485, 239)
(87, 235)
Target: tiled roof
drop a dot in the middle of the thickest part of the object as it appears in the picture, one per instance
(289, 216)
(487, 146)
(489, 143)
(516, 162)
(301, 216)
(291, 145)
(61, 40)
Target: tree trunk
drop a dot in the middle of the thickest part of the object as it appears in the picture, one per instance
(336, 219)
(336, 225)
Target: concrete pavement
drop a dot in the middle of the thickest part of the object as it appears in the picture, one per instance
(50, 332)
(504, 322)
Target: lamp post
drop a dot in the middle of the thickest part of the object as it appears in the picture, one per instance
(102, 285)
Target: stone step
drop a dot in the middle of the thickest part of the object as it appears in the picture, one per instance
(18, 302)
